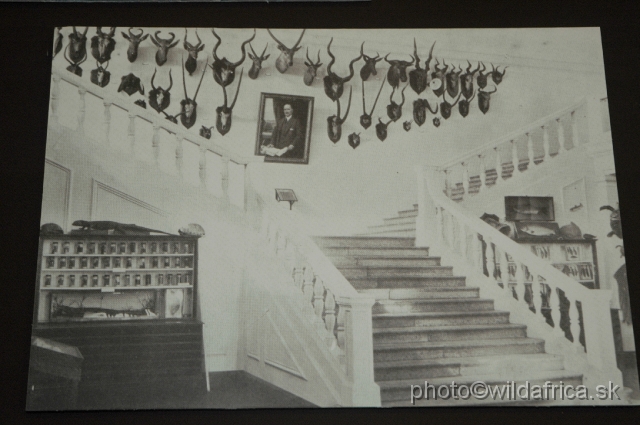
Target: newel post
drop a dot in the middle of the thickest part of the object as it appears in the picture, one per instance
(358, 347)
(598, 332)
(426, 219)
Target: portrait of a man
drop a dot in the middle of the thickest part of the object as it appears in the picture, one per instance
(284, 128)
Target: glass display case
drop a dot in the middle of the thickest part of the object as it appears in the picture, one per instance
(85, 278)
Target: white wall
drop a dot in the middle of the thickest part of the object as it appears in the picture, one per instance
(342, 190)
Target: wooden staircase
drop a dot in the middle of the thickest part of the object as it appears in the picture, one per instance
(428, 325)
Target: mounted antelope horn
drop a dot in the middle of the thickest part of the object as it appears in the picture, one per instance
(215, 48)
(237, 90)
(242, 49)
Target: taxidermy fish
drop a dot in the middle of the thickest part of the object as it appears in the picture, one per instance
(537, 230)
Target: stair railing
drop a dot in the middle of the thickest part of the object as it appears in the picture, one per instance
(341, 316)
(159, 123)
(573, 320)
(540, 141)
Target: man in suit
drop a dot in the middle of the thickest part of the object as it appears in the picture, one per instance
(287, 135)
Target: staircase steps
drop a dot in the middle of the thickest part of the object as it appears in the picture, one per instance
(429, 325)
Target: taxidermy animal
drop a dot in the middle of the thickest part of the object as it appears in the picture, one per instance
(74, 66)
(159, 98)
(484, 99)
(482, 77)
(192, 229)
(57, 41)
(114, 227)
(188, 107)
(51, 229)
(224, 112)
(78, 45)
(163, 47)
(439, 74)
(333, 84)
(134, 42)
(192, 61)
(406, 125)
(466, 80)
(436, 122)
(224, 71)
(420, 107)
(141, 103)
(418, 77)
(398, 70)
(369, 67)
(394, 110)
(102, 45)
(312, 69)
(453, 82)
(257, 60)
(354, 140)
(496, 76)
(285, 60)
(614, 221)
(334, 122)
(100, 76)
(206, 132)
(463, 106)
(172, 118)
(381, 129)
(131, 84)
(445, 106)
(365, 118)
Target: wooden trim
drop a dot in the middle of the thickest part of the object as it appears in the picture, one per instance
(67, 193)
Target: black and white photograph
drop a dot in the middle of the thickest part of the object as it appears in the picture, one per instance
(452, 236)
(284, 128)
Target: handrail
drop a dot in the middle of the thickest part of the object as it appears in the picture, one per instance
(152, 118)
(513, 135)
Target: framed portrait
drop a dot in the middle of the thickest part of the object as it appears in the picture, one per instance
(284, 128)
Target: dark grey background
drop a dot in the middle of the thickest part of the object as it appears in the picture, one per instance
(26, 30)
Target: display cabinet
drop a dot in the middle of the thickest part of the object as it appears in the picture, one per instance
(129, 304)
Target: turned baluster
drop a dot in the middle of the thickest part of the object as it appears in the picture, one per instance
(131, 131)
(504, 268)
(340, 331)
(574, 129)
(307, 285)
(318, 298)
(224, 174)
(447, 183)
(179, 154)
(451, 231)
(574, 318)
(490, 259)
(514, 157)
(203, 165)
(55, 97)
(483, 174)
(520, 282)
(155, 142)
(498, 165)
(476, 247)
(554, 305)
(298, 276)
(465, 177)
(439, 226)
(545, 141)
(81, 109)
(107, 120)
(562, 148)
(463, 241)
(530, 152)
(330, 317)
(536, 293)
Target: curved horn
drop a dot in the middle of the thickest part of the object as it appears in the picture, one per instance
(415, 53)
(351, 72)
(429, 107)
(215, 48)
(185, 43)
(75, 31)
(198, 37)
(472, 96)
(84, 33)
(184, 84)
(426, 63)
(242, 49)
(237, 90)
(112, 31)
(173, 36)
(402, 92)
(364, 108)
(66, 50)
(141, 32)
(299, 40)
(265, 49)
(107, 66)
(255, 55)
(469, 67)
(224, 90)
(318, 58)
(204, 71)
(458, 98)
(274, 37)
(171, 80)
(495, 89)
(391, 95)
(153, 78)
(348, 107)
(308, 58)
(504, 70)
(333, 58)
(387, 60)
(607, 207)
(83, 59)
(484, 68)
(338, 113)
(379, 91)
(99, 31)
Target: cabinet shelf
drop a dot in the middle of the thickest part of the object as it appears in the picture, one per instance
(115, 288)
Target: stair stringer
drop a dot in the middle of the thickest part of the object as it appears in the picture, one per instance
(573, 360)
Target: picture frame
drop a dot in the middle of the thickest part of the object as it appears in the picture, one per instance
(529, 208)
(291, 145)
